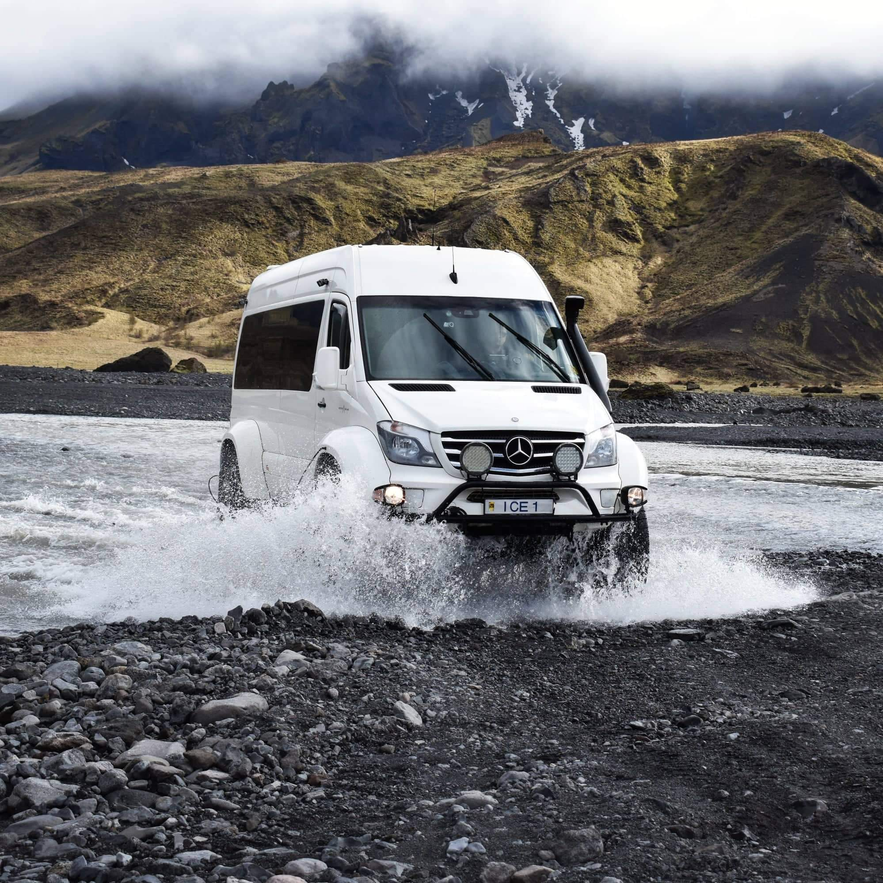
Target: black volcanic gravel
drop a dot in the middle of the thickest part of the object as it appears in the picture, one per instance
(128, 394)
(357, 748)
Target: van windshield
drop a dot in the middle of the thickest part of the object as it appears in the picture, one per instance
(459, 338)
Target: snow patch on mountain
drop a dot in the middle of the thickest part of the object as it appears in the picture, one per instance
(592, 124)
(438, 93)
(468, 105)
(787, 114)
(576, 134)
(859, 91)
(836, 110)
(515, 82)
(551, 91)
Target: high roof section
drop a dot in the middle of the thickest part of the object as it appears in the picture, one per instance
(425, 269)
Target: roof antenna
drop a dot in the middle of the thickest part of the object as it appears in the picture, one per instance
(453, 273)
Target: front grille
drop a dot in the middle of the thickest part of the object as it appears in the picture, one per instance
(542, 447)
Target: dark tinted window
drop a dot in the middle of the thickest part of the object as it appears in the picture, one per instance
(277, 349)
(339, 332)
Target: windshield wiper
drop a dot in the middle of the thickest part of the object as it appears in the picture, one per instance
(534, 349)
(467, 357)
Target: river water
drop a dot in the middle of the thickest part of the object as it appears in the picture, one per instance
(121, 524)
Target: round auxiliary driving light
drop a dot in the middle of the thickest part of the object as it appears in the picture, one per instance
(636, 497)
(568, 460)
(476, 459)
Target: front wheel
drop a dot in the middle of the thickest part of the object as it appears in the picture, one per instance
(630, 546)
(614, 559)
(230, 493)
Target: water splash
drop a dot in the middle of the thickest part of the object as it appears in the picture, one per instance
(341, 553)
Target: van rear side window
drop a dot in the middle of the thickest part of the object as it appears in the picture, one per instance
(277, 349)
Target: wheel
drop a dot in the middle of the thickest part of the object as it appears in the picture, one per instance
(230, 493)
(613, 559)
(630, 547)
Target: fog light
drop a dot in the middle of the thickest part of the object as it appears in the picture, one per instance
(635, 497)
(568, 460)
(476, 459)
(391, 494)
(608, 497)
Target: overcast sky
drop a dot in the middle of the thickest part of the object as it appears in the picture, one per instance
(60, 46)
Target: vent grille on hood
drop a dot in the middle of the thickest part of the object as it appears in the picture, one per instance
(565, 390)
(423, 387)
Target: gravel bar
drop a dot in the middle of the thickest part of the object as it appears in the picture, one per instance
(278, 744)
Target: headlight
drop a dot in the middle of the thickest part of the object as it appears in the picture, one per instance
(601, 447)
(406, 444)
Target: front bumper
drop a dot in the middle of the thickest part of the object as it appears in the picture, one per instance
(451, 512)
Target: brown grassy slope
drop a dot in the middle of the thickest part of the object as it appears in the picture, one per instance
(758, 255)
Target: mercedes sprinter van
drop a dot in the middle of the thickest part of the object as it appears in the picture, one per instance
(445, 381)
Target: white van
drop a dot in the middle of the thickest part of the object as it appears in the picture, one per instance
(445, 381)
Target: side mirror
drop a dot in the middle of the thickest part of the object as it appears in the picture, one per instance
(599, 360)
(327, 369)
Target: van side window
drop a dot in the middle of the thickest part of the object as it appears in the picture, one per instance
(277, 349)
(339, 332)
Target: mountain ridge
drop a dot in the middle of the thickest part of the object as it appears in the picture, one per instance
(371, 107)
(756, 256)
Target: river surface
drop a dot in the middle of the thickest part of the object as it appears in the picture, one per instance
(106, 518)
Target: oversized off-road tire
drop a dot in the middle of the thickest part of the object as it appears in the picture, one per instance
(230, 493)
(630, 546)
(613, 559)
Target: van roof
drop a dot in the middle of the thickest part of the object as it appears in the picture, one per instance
(419, 269)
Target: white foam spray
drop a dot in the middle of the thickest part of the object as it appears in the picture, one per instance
(340, 552)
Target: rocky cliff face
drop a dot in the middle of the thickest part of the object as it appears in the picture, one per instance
(371, 108)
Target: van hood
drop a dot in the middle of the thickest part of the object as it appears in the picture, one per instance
(491, 405)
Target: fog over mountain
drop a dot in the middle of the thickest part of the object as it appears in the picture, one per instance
(226, 50)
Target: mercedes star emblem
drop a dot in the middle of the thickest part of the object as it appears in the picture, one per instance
(519, 450)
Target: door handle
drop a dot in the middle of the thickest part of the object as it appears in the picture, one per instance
(322, 403)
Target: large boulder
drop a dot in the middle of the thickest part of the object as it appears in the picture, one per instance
(190, 366)
(647, 391)
(150, 360)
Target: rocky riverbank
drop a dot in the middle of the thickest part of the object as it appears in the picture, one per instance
(839, 426)
(124, 394)
(277, 741)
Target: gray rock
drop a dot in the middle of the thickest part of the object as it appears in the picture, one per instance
(133, 648)
(532, 874)
(240, 706)
(112, 781)
(475, 799)
(578, 846)
(306, 868)
(511, 776)
(69, 764)
(457, 847)
(168, 751)
(285, 878)
(291, 658)
(197, 857)
(686, 634)
(497, 872)
(65, 669)
(36, 794)
(408, 714)
(34, 823)
(113, 684)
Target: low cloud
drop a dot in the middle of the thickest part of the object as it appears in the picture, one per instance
(230, 50)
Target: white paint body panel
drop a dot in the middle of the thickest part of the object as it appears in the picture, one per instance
(293, 430)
